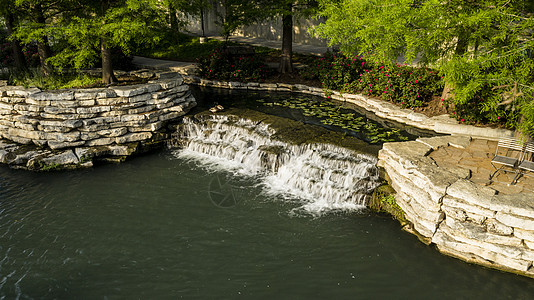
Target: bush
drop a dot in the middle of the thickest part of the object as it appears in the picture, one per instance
(477, 110)
(408, 86)
(222, 65)
(6, 55)
(335, 70)
(33, 77)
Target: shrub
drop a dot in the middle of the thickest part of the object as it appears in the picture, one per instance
(335, 70)
(33, 77)
(7, 59)
(222, 65)
(480, 110)
(408, 86)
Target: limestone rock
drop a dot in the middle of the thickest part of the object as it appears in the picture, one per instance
(515, 221)
(527, 235)
(64, 158)
(435, 142)
(19, 91)
(457, 203)
(133, 137)
(478, 235)
(516, 204)
(472, 193)
(461, 142)
(130, 91)
(497, 227)
(100, 141)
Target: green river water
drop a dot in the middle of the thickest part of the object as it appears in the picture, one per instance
(148, 229)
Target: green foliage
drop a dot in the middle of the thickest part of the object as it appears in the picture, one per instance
(33, 77)
(221, 65)
(44, 167)
(122, 23)
(482, 48)
(408, 86)
(238, 13)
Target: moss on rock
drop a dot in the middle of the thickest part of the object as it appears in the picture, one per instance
(383, 200)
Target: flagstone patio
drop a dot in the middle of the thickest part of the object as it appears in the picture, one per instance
(476, 157)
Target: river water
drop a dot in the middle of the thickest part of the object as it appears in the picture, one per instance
(181, 224)
(148, 229)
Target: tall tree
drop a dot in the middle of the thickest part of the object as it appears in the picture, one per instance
(10, 15)
(102, 25)
(289, 10)
(37, 25)
(239, 13)
(477, 45)
(193, 8)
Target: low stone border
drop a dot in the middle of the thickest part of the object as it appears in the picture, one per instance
(86, 122)
(383, 109)
(462, 219)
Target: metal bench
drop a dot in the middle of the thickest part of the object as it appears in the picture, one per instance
(507, 156)
(526, 163)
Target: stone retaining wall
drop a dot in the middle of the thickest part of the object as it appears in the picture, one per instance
(81, 119)
(462, 219)
(383, 109)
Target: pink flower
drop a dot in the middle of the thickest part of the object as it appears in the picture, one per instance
(463, 120)
(498, 118)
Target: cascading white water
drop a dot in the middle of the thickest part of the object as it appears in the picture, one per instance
(326, 177)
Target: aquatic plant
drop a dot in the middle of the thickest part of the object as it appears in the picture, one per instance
(332, 114)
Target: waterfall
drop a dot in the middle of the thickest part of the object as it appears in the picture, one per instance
(324, 177)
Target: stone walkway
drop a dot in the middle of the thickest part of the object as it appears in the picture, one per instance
(187, 68)
(161, 64)
(476, 157)
(258, 42)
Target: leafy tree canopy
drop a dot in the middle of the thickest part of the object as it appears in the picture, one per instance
(481, 47)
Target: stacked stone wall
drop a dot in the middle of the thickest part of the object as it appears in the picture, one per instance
(461, 218)
(383, 109)
(79, 119)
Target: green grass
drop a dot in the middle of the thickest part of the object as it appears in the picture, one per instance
(179, 46)
(183, 47)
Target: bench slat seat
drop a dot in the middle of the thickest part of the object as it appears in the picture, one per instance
(507, 157)
(505, 160)
(526, 164)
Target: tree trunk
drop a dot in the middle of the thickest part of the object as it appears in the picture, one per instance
(172, 18)
(107, 68)
(43, 48)
(20, 61)
(286, 62)
(202, 21)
